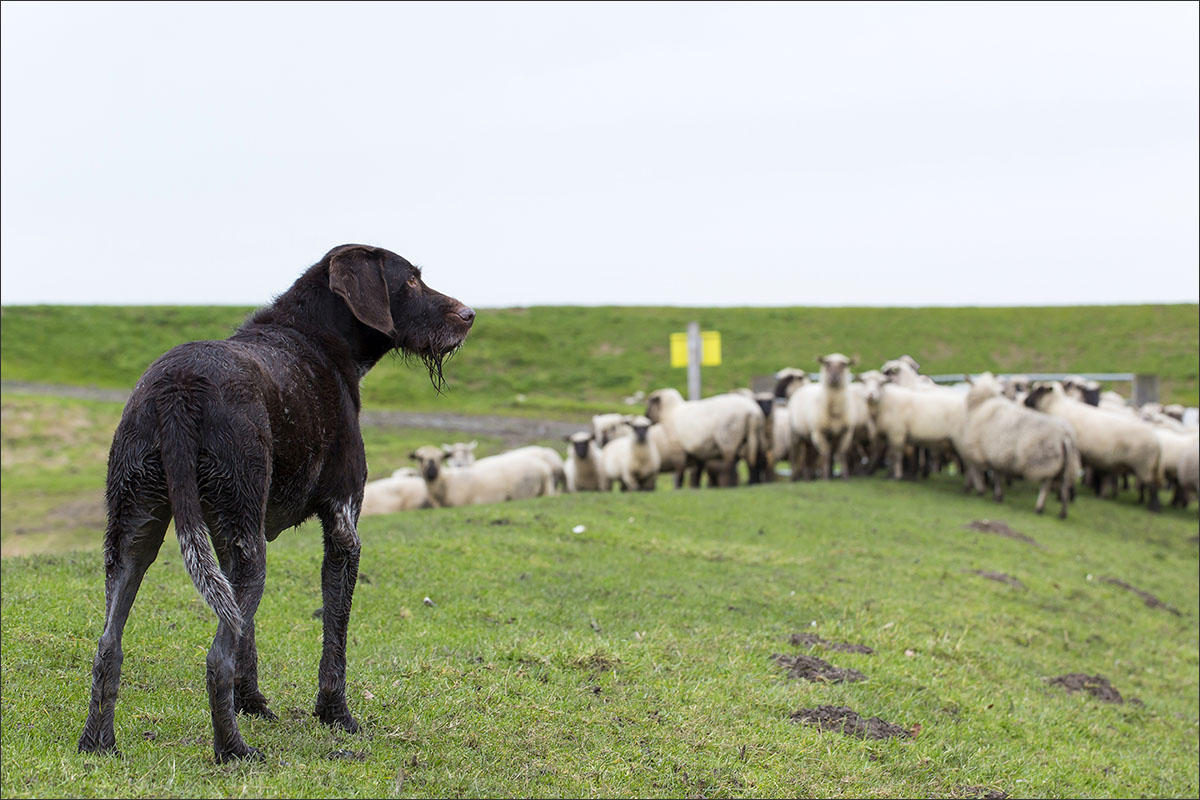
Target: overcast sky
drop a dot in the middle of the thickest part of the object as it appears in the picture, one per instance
(608, 153)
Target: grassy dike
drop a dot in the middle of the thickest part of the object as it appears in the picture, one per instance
(573, 361)
(634, 658)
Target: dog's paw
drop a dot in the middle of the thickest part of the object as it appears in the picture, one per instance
(100, 744)
(243, 753)
(255, 706)
(337, 717)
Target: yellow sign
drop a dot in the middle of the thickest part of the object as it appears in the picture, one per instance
(710, 349)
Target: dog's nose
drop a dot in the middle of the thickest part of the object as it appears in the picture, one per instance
(467, 313)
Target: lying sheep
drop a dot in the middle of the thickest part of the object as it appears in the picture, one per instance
(715, 428)
(489, 480)
(584, 469)
(907, 416)
(1015, 441)
(828, 414)
(402, 491)
(548, 455)
(1108, 442)
(461, 454)
(632, 462)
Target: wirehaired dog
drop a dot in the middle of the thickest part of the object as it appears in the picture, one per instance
(242, 438)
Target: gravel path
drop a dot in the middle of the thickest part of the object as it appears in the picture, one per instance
(513, 430)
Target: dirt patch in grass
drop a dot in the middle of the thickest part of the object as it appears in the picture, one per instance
(811, 640)
(1150, 599)
(811, 668)
(1095, 685)
(845, 720)
(996, 576)
(1000, 529)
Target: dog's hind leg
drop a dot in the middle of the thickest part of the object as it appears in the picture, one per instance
(131, 545)
(339, 573)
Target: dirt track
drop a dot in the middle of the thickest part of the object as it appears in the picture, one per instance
(512, 430)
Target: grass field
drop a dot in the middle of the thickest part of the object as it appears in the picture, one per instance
(555, 358)
(634, 659)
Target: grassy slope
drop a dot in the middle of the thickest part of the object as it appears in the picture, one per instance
(634, 659)
(555, 357)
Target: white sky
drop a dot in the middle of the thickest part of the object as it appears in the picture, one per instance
(674, 154)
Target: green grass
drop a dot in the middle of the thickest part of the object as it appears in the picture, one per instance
(570, 361)
(634, 659)
(55, 452)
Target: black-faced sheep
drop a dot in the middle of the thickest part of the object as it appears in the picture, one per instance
(632, 462)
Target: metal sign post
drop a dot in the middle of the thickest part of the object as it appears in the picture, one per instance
(694, 349)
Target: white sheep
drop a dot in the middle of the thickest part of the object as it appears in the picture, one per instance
(489, 480)
(1014, 441)
(606, 427)
(583, 468)
(1175, 448)
(401, 491)
(718, 428)
(632, 462)
(905, 371)
(828, 414)
(549, 457)
(911, 416)
(461, 454)
(1108, 441)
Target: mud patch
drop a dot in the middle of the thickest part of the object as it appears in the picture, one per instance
(1149, 599)
(996, 576)
(1095, 685)
(845, 720)
(811, 668)
(811, 640)
(1000, 529)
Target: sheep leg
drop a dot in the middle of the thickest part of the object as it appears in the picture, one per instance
(1041, 498)
(1064, 496)
(825, 453)
(798, 459)
(997, 486)
(896, 456)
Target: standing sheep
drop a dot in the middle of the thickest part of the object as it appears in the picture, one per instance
(584, 469)
(1014, 441)
(715, 428)
(827, 413)
(632, 462)
(1108, 441)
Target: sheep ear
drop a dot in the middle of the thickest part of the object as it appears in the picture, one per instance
(413, 454)
(356, 275)
(472, 445)
(854, 361)
(967, 378)
(821, 360)
(447, 447)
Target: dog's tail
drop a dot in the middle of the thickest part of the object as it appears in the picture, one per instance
(178, 427)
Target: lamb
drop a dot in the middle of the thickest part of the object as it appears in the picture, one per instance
(401, 491)
(584, 469)
(1108, 442)
(919, 417)
(632, 462)
(489, 480)
(827, 413)
(715, 428)
(1014, 441)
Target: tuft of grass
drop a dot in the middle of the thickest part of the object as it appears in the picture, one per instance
(634, 659)
(569, 362)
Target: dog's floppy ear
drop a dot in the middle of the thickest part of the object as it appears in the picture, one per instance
(356, 274)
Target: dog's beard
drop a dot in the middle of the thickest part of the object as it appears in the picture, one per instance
(433, 355)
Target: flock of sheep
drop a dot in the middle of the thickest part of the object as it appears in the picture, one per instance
(1053, 433)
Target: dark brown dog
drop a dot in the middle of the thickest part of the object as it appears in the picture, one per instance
(242, 438)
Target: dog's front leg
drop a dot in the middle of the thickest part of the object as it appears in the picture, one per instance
(339, 572)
